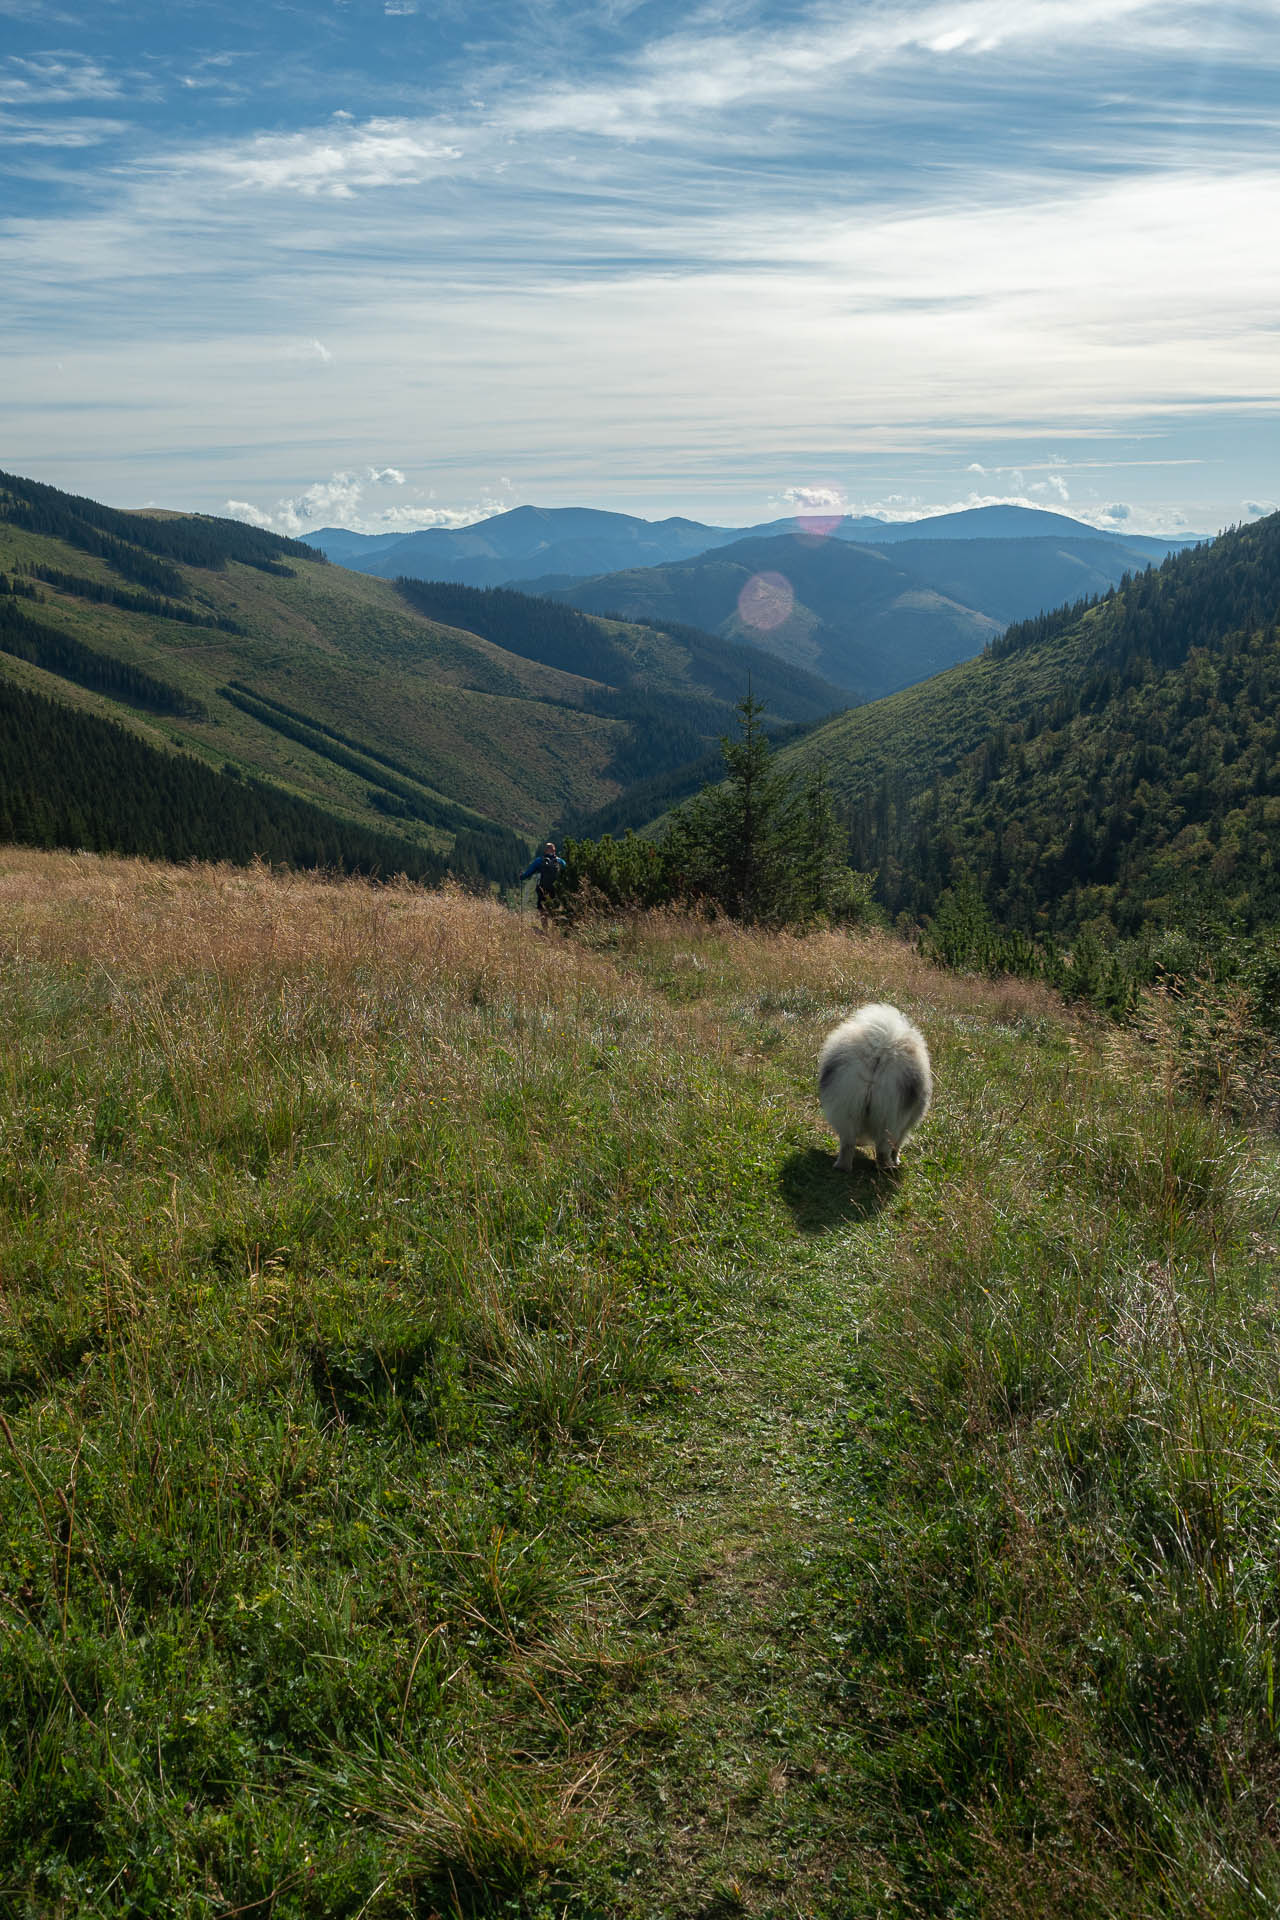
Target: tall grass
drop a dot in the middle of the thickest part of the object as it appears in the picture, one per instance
(1057, 1598)
(376, 1273)
(340, 1226)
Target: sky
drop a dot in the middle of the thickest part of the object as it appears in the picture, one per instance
(390, 264)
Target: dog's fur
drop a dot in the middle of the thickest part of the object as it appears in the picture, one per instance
(874, 1082)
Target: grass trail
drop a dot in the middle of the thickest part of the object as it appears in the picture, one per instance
(972, 1593)
(743, 1765)
(465, 1452)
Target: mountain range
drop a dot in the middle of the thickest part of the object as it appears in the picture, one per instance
(537, 543)
(192, 687)
(867, 604)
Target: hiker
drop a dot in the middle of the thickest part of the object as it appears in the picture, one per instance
(548, 866)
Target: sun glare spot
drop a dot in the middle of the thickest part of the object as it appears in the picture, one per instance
(817, 526)
(766, 601)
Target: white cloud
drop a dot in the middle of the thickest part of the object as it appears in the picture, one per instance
(696, 72)
(1055, 485)
(814, 500)
(706, 88)
(340, 501)
(72, 131)
(336, 163)
(253, 516)
(748, 267)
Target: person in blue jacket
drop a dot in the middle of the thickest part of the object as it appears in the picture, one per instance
(548, 866)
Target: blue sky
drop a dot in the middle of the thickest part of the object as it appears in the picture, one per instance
(392, 263)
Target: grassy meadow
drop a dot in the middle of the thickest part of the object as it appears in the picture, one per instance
(464, 1452)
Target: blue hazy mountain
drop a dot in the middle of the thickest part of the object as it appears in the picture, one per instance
(573, 541)
(554, 546)
(994, 523)
(1017, 577)
(847, 612)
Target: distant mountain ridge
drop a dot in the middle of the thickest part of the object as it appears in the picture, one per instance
(529, 543)
(856, 618)
(871, 619)
(527, 540)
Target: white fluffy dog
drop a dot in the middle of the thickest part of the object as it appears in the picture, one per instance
(874, 1082)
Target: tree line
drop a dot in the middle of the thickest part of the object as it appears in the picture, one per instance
(71, 659)
(142, 548)
(70, 779)
(101, 593)
(523, 624)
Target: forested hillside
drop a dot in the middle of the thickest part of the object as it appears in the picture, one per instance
(335, 691)
(70, 779)
(847, 612)
(1115, 764)
(688, 677)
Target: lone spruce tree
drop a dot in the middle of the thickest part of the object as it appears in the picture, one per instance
(763, 845)
(725, 843)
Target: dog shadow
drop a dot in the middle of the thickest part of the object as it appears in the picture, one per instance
(822, 1198)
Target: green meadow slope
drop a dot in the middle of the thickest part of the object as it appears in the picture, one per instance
(253, 653)
(464, 1451)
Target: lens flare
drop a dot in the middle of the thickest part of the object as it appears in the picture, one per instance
(766, 601)
(812, 527)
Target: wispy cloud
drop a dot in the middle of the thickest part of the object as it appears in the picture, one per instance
(862, 233)
(72, 131)
(338, 161)
(309, 350)
(52, 78)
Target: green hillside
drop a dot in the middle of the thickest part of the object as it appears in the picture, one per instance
(253, 653)
(857, 618)
(1115, 764)
(73, 779)
(633, 660)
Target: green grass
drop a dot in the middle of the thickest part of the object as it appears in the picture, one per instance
(465, 1452)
